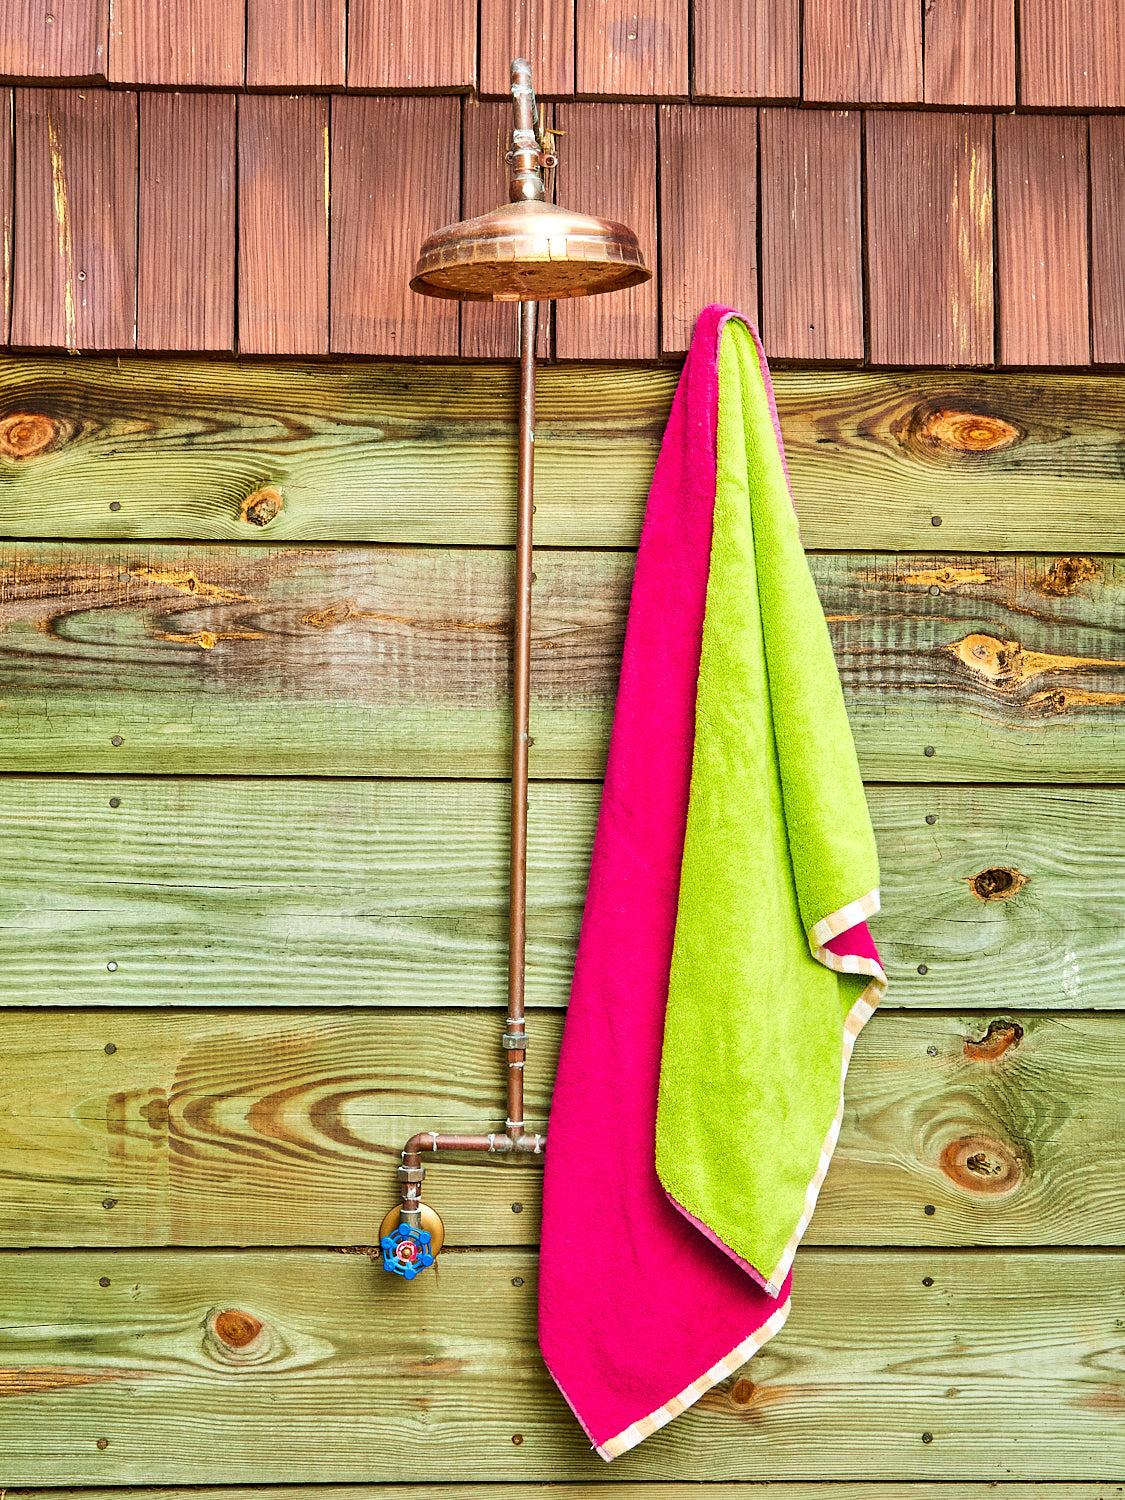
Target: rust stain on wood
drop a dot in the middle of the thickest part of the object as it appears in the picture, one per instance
(995, 1042)
(946, 578)
(998, 883)
(1067, 573)
(1007, 663)
(260, 508)
(235, 1328)
(28, 434)
(40, 1380)
(1058, 700)
(206, 639)
(187, 583)
(982, 1165)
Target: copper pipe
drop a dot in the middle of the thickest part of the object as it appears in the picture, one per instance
(526, 164)
(521, 707)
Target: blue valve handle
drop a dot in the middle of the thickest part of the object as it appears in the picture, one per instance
(406, 1251)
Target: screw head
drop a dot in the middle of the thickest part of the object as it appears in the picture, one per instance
(103, 1280)
(103, 1443)
(931, 1051)
(517, 1208)
(923, 968)
(111, 1048)
(935, 520)
(931, 819)
(116, 739)
(934, 588)
(115, 505)
(517, 1281)
(930, 1209)
(929, 750)
(112, 966)
(115, 802)
(927, 1437)
(927, 1281)
(517, 1438)
(109, 1202)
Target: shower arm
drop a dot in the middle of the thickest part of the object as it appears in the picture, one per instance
(528, 156)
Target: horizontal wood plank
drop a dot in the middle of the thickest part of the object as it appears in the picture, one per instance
(395, 661)
(394, 893)
(623, 1490)
(427, 453)
(353, 1376)
(249, 1128)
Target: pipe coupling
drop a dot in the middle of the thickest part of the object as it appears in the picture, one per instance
(411, 1174)
(515, 1041)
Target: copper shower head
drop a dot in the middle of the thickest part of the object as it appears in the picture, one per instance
(528, 250)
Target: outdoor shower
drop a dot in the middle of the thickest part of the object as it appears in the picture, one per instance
(527, 251)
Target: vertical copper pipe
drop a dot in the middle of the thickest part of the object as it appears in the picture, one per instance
(521, 701)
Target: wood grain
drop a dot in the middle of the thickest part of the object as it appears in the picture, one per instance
(862, 52)
(61, 41)
(540, 30)
(283, 175)
(75, 274)
(390, 188)
(297, 44)
(7, 208)
(357, 1369)
(632, 49)
(970, 53)
(393, 893)
(812, 252)
(426, 453)
(186, 229)
(708, 215)
(1072, 54)
(491, 330)
(1107, 245)
(747, 49)
(399, 44)
(334, 661)
(929, 238)
(607, 165)
(1042, 204)
(244, 1128)
(179, 43)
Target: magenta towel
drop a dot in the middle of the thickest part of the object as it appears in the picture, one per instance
(639, 1312)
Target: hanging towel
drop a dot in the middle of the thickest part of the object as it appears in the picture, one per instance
(733, 870)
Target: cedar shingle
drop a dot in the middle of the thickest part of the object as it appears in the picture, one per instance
(929, 238)
(186, 230)
(1041, 205)
(75, 250)
(812, 255)
(283, 224)
(708, 215)
(607, 166)
(390, 188)
(747, 49)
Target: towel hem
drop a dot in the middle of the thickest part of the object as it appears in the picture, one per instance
(863, 1009)
(637, 1431)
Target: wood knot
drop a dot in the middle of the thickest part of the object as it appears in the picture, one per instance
(236, 1329)
(956, 431)
(997, 884)
(28, 434)
(982, 1166)
(260, 508)
(1067, 573)
(995, 1042)
(742, 1393)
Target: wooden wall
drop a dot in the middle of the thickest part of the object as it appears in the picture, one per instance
(253, 706)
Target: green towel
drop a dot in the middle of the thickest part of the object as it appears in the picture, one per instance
(779, 860)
